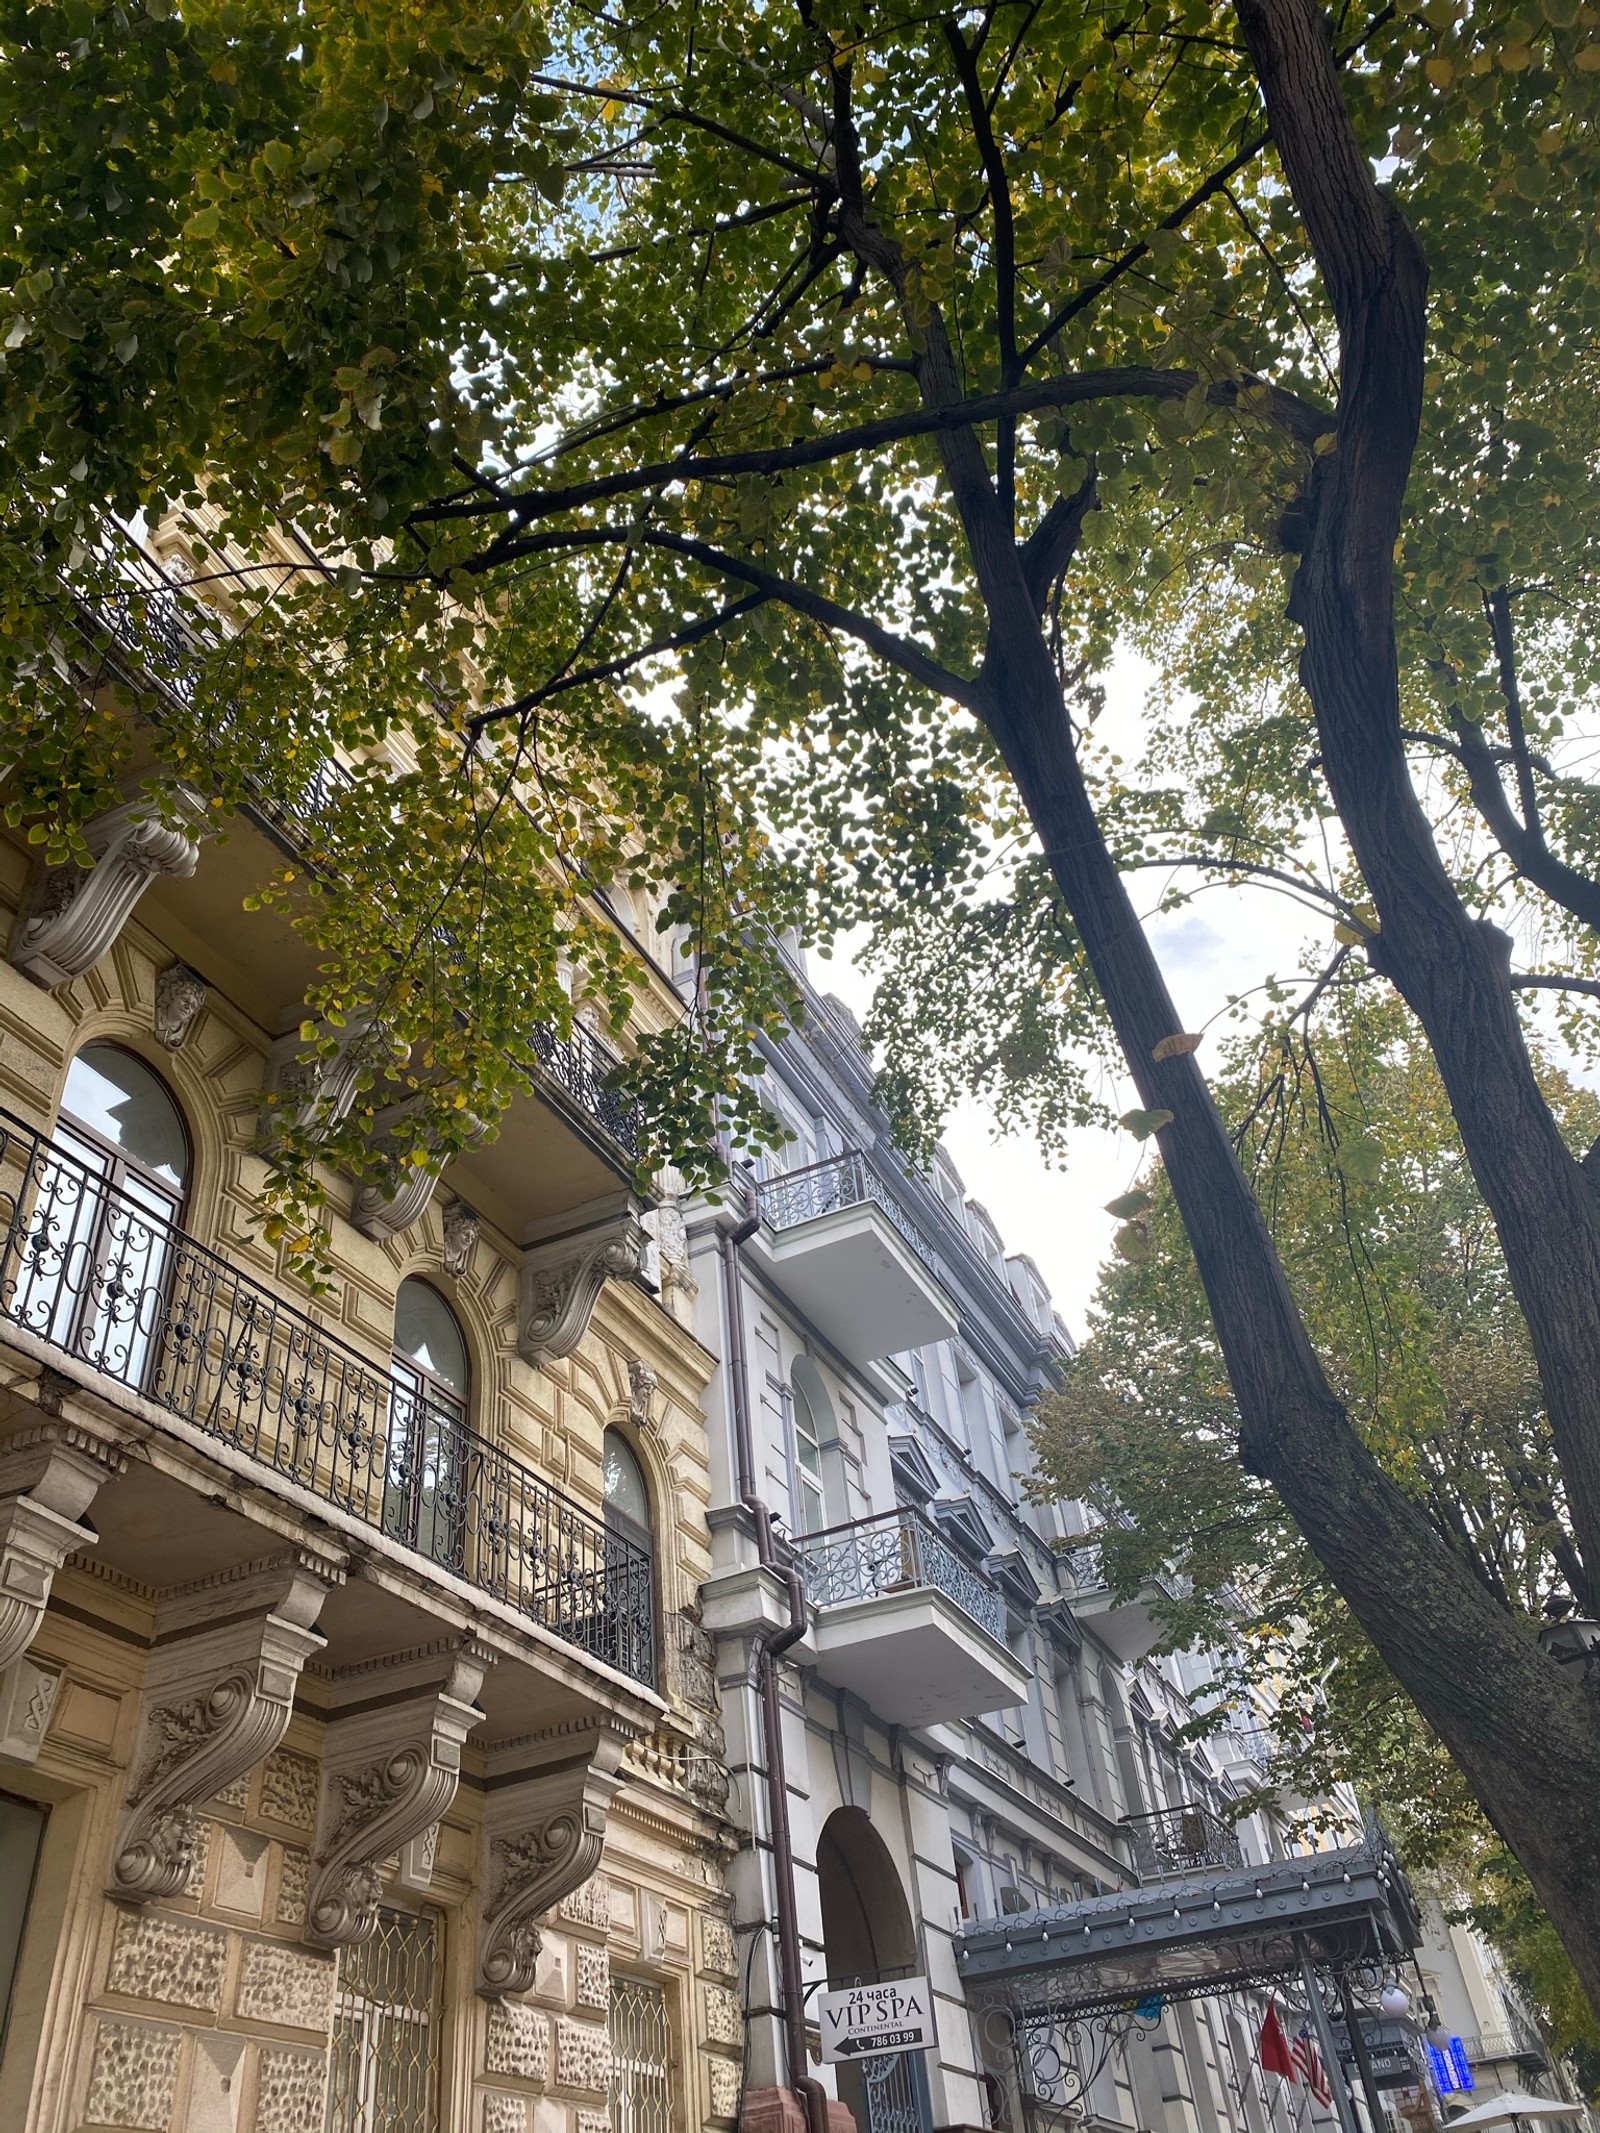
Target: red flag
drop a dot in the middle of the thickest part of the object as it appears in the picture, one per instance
(1276, 2057)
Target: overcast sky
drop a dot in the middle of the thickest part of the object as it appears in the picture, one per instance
(1226, 941)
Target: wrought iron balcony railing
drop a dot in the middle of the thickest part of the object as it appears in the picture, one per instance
(891, 1553)
(848, 1180)
(1505, 2044)
(88, 1269)
(1181, 1840)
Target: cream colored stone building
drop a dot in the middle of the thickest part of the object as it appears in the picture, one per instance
(359, 1766)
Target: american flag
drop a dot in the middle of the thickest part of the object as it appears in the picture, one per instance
(1308, 2061)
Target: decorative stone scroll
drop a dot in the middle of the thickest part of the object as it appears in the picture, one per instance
(49, 1476)
(73, 914)
(562, 1276)
(391, 1764)
(180, 995)
(219, 1690)
(544, 1825)
(381, 1213)
(308, 1089)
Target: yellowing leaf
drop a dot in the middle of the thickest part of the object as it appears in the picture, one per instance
(1141, 1124)
(1177, 1045)
(1128, 1204)
(1440, 71)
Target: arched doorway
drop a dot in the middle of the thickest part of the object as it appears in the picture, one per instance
(867, 1935)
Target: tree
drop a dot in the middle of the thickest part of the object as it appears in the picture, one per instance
(1393, 1257)
(871, 370)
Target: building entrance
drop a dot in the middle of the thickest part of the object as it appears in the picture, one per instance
(867, 1937)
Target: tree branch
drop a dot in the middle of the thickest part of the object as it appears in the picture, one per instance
(1053, 543)
(885, 644)
(624, 663)
(1298, 418)
(1543, 981)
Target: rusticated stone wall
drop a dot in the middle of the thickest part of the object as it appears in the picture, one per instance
(208, 2013)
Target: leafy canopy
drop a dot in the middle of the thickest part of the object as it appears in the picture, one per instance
(581, 347)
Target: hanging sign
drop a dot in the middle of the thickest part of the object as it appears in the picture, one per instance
(862, 2020)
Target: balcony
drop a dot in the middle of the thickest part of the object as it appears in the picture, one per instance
(1127, 1627)
(847, 1253)
(1181, 1840)
(94, 1276)
(904, 1624)
(152, 633)
(1507, 2047)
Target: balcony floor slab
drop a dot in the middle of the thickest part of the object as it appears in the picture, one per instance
(916, 1658)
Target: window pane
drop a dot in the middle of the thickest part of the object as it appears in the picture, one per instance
(118, 1097)
(425, 1329)
(624, 1483)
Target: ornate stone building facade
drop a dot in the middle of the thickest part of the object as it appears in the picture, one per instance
(939, 1716)
(360, 1769)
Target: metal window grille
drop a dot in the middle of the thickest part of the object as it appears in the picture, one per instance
(384, 2067)
(641, 2058)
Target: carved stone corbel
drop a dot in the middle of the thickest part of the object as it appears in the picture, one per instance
(218, 1693)
(562, 1276)
(379, 1213)
(391, 1764)
(73, 914)
(310, 1090)
(544, 1825)
(180, 995)
(49, 1476)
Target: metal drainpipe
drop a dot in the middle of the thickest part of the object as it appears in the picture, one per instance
(772, 1646)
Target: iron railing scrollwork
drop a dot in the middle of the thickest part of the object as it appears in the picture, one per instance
(848, 1180)
(890, 1553)
(1181, 1840)
(91, 1271)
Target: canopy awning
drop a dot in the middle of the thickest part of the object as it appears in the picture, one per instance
(1191, 1934)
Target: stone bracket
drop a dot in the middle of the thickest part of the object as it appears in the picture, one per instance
(312, 1091)
(49, 1476)
(543, 1828)
(391, 1764)
(562, 1276)
(73, 914)
(218, 1695)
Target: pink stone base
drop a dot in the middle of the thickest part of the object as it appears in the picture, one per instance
(781, 2111)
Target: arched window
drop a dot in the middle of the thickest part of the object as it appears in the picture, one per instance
(430, 1352)
(627, 1493)
(428, 1478)
(812, 1429)
(630, 1624)
(118, 1119)
(103, 1235)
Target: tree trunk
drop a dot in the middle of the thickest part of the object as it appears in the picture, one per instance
(1452, 970)
(1525, 1733)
